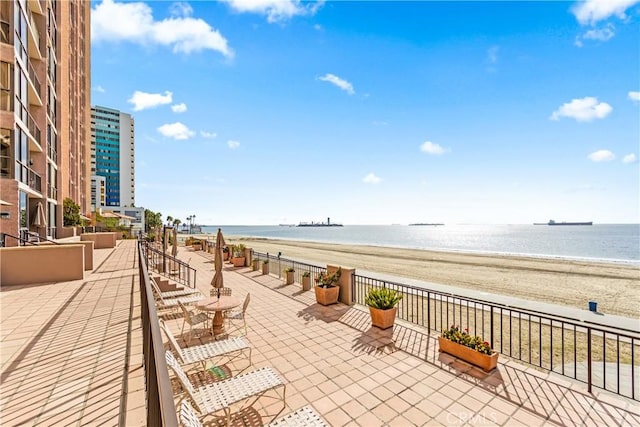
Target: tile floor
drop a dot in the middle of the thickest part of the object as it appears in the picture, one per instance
(71, 355)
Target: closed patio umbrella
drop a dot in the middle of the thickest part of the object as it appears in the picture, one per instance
(165, 243)
(174, 249)
(217, 281)
(40, 219)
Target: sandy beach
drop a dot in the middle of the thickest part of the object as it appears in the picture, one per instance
(616, 287)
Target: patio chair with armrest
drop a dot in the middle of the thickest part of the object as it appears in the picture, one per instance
(220, 396)
(223, 291)
(192, 318)
(238, 316)
(232, 348)
(172, 303)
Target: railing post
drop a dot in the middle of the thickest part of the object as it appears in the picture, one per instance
(589, 372)
(428, 312)
(491, 323)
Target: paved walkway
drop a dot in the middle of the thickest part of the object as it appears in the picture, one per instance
(71, 356)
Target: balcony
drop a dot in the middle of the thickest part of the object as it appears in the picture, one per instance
(52, 192)
(35, 89)
(28, 176)
(34, 134)
(330, 356)
(5, 34)
(35, 43)
(6, 167)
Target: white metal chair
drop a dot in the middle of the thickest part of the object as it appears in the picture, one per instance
(232, 347)
(219, 396)
(192, 319)
(238, 316)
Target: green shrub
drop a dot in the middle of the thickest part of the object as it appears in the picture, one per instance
(382, 298)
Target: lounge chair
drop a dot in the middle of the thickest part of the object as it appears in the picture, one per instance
(174, 294)
(303, 417)
(205, 352)
(172, 303)
(219, 396)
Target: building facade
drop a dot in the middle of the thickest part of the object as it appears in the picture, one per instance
(113, 156)
(45, 84)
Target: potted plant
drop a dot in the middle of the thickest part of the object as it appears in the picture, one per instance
(238, 255)
(254, 264)
(306, 281)
(289, 275)
(326, 290)
(382, 306)
(196, 245)
(225, 253)
(471, 349)
(265, 266)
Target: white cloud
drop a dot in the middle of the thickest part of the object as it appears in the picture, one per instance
(144, 100)
(99, 89)
(179, 108)
(629, 158)
(371, 179)
(341, 83)
(492, 54)
(205, 134)
(134, 22)
(601, 156)
(593, 11)
(634, 96)
(432, 148)
(180, 9)
(601, 34)
(583, 110)
(233, 144)
(276, 10)
(176, 131)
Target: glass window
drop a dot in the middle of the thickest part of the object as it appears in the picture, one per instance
(22, 200)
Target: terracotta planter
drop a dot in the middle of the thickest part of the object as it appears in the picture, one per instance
(238, 261)
(289, 278)
(383, 319)
(327, 296)
(197, 247)
(469, 355)
(254, 265)
(265, 268)
(306, 283)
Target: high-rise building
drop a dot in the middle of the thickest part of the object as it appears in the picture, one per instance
(44, 114)
(113, 156)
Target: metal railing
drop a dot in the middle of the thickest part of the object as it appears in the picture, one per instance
(28, 176)
(21, 241)
(5, 33)
(599, 355)
(33, 76)
(6, 169)
(161, 409)
(169, 266)
(567, 346)
(277, 264)
(33, 237)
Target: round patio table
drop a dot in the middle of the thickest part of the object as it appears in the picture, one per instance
(218, 305)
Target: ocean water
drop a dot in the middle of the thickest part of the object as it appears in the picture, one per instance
(601, 242)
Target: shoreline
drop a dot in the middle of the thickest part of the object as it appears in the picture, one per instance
(615, 286)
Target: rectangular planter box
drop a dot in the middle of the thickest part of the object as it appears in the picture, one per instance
(469, 355)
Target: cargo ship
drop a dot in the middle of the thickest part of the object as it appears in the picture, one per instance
(428, 223)
(319, 224)
(552, 222)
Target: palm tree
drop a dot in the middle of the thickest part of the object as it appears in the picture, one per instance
(169, 219)
(176, 223)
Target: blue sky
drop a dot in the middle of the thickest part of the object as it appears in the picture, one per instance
(274, 111)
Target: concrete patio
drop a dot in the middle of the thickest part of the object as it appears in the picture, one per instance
(71, 355)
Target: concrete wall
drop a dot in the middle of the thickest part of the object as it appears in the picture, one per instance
(55, 263)
(345, 283)
(88, 252)
(101, 240)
